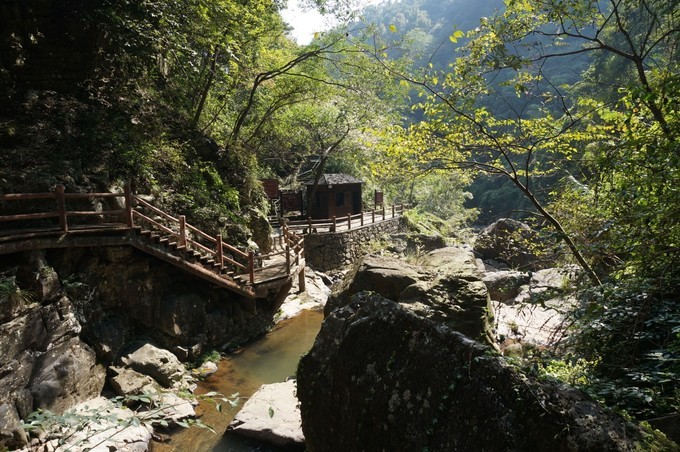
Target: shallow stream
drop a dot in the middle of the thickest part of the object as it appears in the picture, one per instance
(270, 359)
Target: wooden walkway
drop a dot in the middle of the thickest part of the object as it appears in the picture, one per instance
(346, 223)
(128, 219)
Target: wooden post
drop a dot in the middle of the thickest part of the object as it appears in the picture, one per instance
(61, 207)
(128, 207)
(373, 216)
(349, 221)
(383, 211)
(309, 221)
(334, 223)
(362, 217)
(220, 251)
(183, 231)
(251, 266)
(302, 284)
(392, 210)
(287, 259)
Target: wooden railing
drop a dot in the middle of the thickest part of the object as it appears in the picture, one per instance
(189, 237)
(348, 222)
(60, 212)
(139, 213)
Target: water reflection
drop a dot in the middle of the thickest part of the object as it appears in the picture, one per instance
(270, 359)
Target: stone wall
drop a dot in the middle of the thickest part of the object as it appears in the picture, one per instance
(329, 251)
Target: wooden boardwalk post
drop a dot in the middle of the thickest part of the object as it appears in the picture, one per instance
(129, 221)
(373, 216)
(362, 217)
(302, 282)
(220, 251)
(349, 221)
(287, 259)
(251, 266)
(383, 212)
(309, 222)
(392, 210)
(334, 223)
(183, 231)
(61, 207)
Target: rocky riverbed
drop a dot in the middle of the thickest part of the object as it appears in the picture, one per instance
(77, 324)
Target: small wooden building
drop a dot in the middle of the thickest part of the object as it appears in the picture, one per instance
(337, 195)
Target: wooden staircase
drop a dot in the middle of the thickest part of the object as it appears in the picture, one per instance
(140, 224)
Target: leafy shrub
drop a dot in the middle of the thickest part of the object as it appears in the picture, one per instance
(633, 331)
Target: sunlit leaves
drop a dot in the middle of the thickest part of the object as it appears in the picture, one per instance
(456, 36)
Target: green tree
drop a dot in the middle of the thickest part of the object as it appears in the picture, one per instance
(466, 131)
(597, 157)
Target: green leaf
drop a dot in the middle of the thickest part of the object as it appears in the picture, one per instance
(393, 28)
(271, 412)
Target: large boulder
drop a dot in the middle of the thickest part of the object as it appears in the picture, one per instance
(509, 241)
(159, 364)
(271, 415)
(504, 286)
(446, 286)
(66, 375)
(381, 378)
(11, 433)
(414, 242)
(107, 427)
(461, 304)
(530, 308)
(384, 275)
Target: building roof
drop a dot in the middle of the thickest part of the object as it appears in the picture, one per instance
(337, 179)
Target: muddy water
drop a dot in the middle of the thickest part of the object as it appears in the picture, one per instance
(271, 359)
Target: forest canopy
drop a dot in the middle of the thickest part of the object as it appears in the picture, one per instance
(562, 112)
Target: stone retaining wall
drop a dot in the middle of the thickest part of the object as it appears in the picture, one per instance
(329, 251)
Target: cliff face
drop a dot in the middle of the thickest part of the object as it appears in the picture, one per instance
(68, 314)
(47, 45)
(62, 110)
